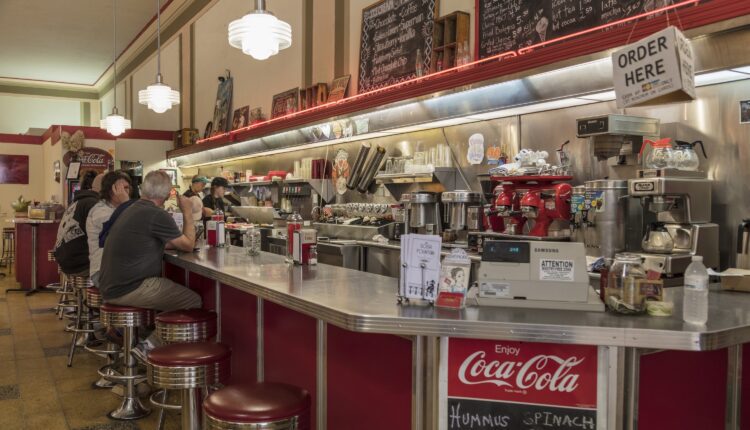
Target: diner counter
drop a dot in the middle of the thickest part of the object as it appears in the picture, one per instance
(364, 302)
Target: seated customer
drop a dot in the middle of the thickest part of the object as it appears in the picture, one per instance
(115, 190)
(71, 247)
(130, 273)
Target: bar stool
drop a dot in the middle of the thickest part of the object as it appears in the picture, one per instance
(192, 368)
(129, 320)
(8, 256)
(261, 405)
(82, 319)
(182, 326)
(64, 290)
(110, 351)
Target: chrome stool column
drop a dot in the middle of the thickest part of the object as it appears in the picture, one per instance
(192, 368)
(183, 326)
(260, 405)
(83, 319)
(128, 319)
(105, 349)
(64, 290)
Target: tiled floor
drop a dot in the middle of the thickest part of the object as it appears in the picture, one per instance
(37, 389)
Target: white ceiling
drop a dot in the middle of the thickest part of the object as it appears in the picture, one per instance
(66, 41)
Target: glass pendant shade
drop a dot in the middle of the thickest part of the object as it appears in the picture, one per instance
(260, 34)
(115, 124)
(159, 97)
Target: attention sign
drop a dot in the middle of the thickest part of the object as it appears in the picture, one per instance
(656, 70)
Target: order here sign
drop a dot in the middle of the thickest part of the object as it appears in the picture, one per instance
(655, 70)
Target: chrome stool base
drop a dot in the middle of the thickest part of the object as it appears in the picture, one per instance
(131, 408)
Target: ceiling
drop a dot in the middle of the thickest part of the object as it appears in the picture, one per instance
(66, 41)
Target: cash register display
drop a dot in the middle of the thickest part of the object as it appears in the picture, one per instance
(506, 252)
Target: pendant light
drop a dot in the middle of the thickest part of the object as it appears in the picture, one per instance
(259, 33)
(115, 124)
(158, 96)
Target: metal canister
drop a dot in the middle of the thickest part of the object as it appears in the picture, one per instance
(457, 204)
(578, 210)
(607, 201)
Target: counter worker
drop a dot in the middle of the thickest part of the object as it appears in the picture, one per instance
(215, 198)
(131, 267)
(195, 194)
(115, 191)
(71, 246)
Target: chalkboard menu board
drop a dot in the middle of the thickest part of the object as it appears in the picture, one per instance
(510, 25)
(396, 41)
(518, 385)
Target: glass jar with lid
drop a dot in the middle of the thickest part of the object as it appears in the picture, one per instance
(624, 281)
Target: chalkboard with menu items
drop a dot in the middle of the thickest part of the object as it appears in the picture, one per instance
(518, 385)
(510, 25)
(396, 42)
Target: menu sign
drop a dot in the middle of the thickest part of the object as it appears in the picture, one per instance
(518, 385)
(396, 42)
(510, 25)
(90, 158)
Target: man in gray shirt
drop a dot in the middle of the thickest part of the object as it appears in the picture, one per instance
(131, 267)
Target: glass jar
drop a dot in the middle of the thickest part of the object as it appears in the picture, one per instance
(251, 241)
(624, 281)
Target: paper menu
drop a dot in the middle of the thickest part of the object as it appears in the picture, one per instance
(420, 266)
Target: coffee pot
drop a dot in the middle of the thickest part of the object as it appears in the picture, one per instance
(684, 155)
(657, 239)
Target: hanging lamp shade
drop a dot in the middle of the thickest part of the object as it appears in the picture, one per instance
(260, 34)
(114, 123)
(159, 97)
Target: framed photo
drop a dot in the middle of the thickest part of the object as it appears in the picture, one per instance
(745, 112)
(223, 105)
(172, 173)
(14, 169)
(285, 103)
(240, 118)
(73, 170)
(256, 115)
(56, 170)
(209, 130)
(338, 88)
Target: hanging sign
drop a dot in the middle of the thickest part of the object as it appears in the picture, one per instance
(90, 158)
(655, 70)
(520, 385)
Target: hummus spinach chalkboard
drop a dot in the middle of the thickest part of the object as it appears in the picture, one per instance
(510, 25)
(396, 41)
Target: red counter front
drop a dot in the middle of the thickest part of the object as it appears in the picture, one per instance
(46, 271)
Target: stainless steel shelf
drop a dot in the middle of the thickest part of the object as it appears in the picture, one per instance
(395, 183)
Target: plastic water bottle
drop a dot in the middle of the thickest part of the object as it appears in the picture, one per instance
(695, 300)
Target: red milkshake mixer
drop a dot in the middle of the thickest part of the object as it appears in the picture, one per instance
(542, 199)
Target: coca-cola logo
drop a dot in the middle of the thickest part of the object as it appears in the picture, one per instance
(522, 372)
(90, 158)
(541, 372)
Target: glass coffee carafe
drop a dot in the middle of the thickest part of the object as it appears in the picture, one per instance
(685, 157)
(657, 239)
(661, 155)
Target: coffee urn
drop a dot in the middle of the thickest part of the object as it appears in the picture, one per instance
(609, 225)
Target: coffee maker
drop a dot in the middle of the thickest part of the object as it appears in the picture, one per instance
(676, 219)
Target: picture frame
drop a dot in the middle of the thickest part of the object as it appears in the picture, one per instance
(285, 103)
(14, 169)
(241, 117)
(208, 130)
(339, 87)
(56, 170)
(223, 104)
(74, 169)
(256, 115)
(172, 173)
(745, 112)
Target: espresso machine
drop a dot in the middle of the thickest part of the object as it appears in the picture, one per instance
(534, 207)
(422, 213)
(463, 210)
(676, 220)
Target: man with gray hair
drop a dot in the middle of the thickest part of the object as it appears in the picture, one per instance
(130, 273)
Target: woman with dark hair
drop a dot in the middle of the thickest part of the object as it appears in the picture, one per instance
(115, 191)
(71, 250)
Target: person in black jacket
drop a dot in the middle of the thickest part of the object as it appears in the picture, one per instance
(71, 246)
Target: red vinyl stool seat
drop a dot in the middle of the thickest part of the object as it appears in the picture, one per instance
(189, 325)
(192, 368)
(258, 406)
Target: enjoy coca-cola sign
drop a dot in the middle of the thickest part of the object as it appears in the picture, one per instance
(90, 158)
(538, 373)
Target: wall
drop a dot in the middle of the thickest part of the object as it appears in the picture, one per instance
(255, 82)
(19, 113)
(35, 188)
(52, 190)
(150, 152)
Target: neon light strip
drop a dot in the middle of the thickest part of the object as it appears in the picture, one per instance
(498, 57)
(612, 24)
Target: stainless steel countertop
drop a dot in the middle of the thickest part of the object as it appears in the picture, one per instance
(365, 302)
(33, 221)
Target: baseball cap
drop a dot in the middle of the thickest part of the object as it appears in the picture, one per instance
(219, 182)
(198, 178)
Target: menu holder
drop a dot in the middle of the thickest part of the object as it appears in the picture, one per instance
(420, 268)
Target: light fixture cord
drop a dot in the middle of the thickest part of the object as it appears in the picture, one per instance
(114, 48)
(158, 41)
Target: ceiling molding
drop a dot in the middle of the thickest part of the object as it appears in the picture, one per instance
(48, 92)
